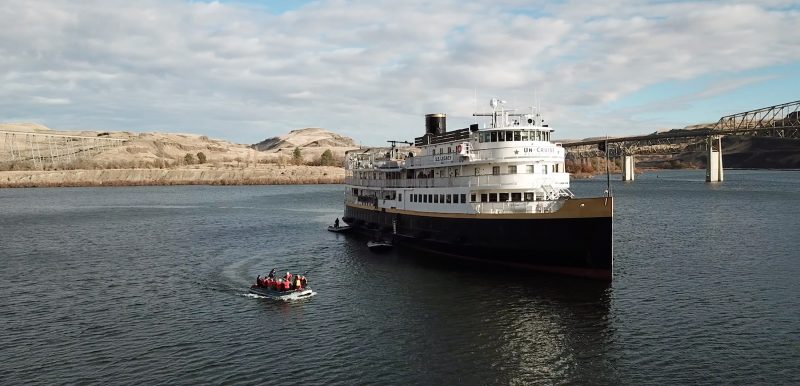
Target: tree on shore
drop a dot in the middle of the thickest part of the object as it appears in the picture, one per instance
(326, 159)
(188, 158)
(297, 156)
(201, 158)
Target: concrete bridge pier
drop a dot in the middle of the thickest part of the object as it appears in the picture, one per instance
(628, 167)
(714, 164)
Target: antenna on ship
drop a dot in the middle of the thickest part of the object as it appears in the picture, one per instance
(475, 110)
(608, 173)
(394, 145)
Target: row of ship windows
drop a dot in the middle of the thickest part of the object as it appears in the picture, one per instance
(503, 197)
(513, 136)
(453, 172)
(462, 198)
(512, 169)
(440, 198)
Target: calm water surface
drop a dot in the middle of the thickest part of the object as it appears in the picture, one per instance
(149, 285)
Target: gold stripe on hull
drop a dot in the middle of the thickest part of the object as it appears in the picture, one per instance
(599, 207)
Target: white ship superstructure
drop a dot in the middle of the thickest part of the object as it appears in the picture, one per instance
(497, 193)
(508, 166)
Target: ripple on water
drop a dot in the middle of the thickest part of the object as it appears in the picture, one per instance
(149, 286)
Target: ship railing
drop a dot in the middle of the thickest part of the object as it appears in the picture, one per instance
(518, 207)
(510, 181)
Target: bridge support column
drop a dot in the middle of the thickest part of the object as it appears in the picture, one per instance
(628, 167)
(714, 165)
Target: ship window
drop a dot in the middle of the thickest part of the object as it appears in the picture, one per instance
(544, 169)
(524, 136)
(449, 149)
(484, 197)
(509, 136)
(441, 198)
(516, 135)
(512, 169)
(528, 196)
(495, 170)
(413, 198)
(557, 167)
(448, 199)
(463, 198)
(400, 197)
(516, 197)
(477, 171)
(493, 136)
(553, 168)
(501, 136)
(529, 168)
(492, 197)
(472, 197)
(455, 172)
(435, 198)
(503, 197)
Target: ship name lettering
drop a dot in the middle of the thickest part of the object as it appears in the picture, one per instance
(539, 150)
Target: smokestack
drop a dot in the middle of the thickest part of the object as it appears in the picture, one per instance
(435, 123)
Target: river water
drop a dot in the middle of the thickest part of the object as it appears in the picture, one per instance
(148, 285)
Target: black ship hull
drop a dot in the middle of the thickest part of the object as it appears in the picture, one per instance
(576, 240)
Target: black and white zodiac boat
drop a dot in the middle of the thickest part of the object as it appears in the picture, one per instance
(290, 287)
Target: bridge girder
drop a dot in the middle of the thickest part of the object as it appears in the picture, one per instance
(782, 121)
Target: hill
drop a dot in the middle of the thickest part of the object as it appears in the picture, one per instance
(160, 158)
(743, 152)
(311, 141)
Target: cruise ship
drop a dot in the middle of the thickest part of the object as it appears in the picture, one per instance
(495, 193)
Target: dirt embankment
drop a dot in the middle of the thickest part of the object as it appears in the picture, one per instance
(199, 175)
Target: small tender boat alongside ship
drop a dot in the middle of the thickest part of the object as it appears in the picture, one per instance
(379, 245)
(497, 194)
(339, 229)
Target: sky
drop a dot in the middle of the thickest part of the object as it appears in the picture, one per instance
(244, 71)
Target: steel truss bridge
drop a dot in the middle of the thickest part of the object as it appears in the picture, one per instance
(781, 121)
(41, 148)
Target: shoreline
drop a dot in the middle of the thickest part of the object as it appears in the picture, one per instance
(260, 175)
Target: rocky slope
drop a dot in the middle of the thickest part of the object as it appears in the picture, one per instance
(162, 159)
(743, 152)
(311, 141)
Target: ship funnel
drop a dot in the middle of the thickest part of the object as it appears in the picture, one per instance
(435, 123)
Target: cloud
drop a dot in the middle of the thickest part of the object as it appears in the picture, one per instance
(369, 69)
(50, 101)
